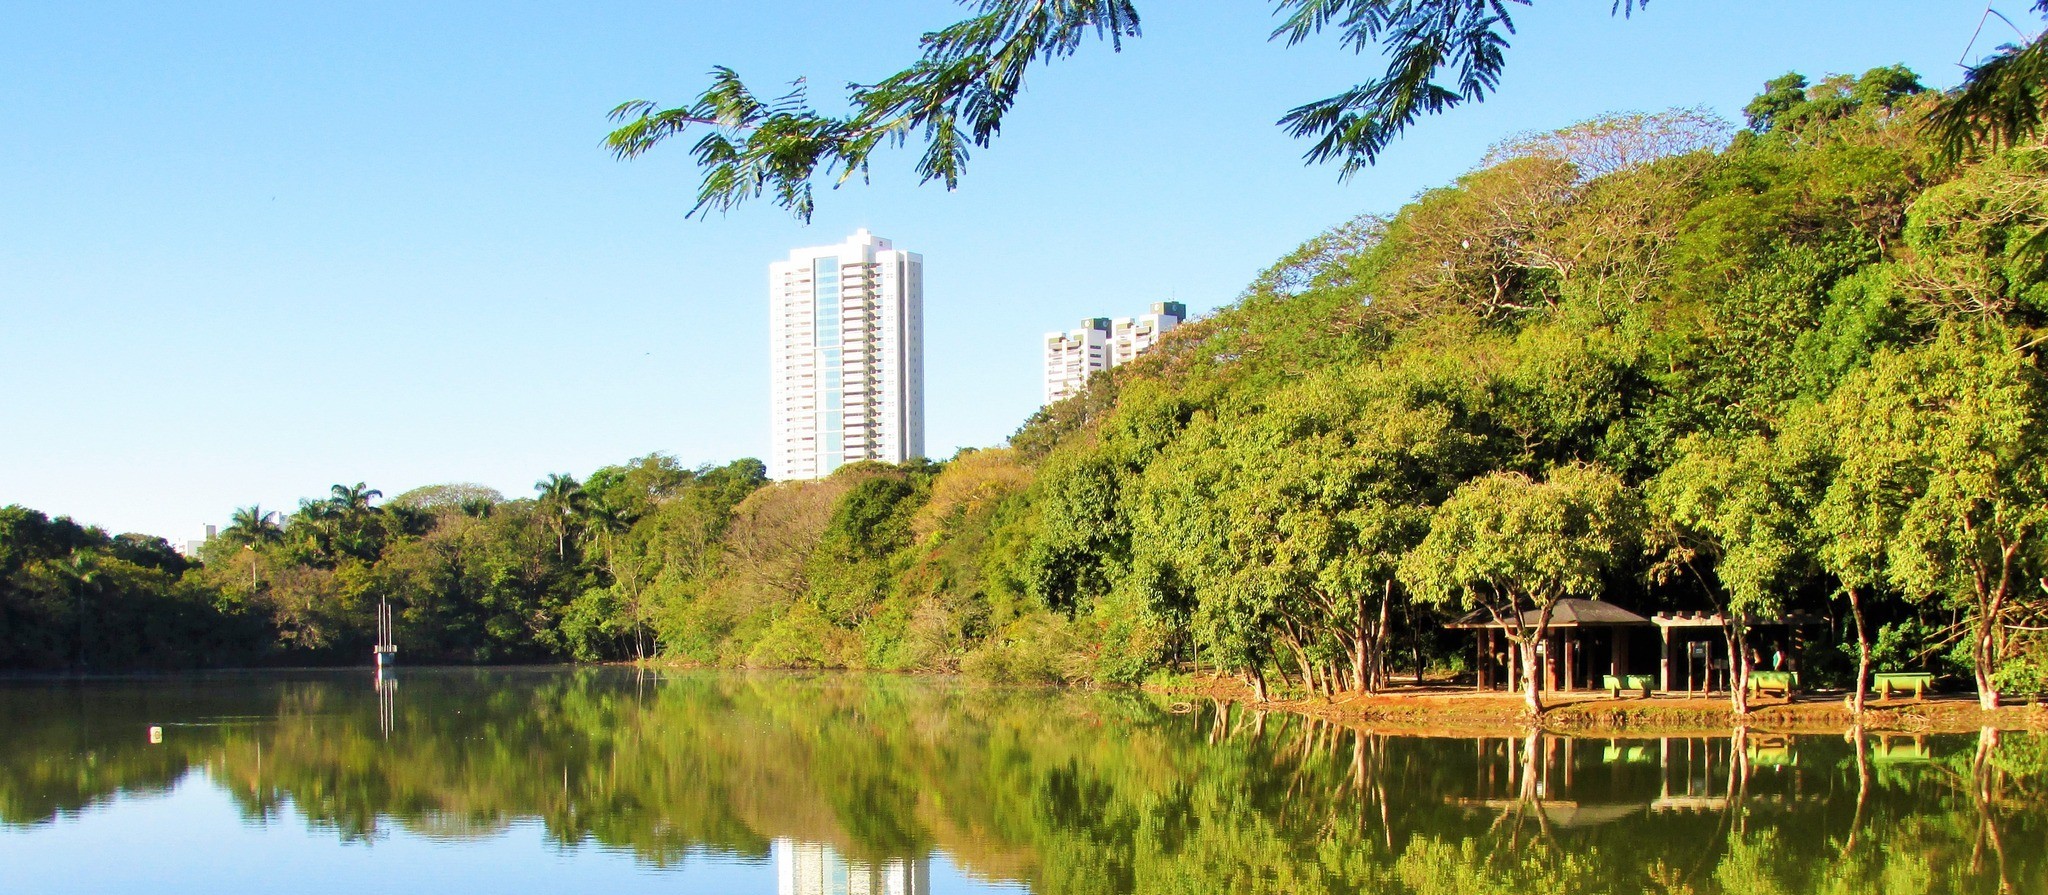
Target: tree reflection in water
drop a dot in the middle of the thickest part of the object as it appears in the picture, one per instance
(864, 779)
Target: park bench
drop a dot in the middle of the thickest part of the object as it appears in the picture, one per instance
(1615, 684)
(1886, 682)
(1780, 682)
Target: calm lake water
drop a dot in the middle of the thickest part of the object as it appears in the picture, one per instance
(608, 780)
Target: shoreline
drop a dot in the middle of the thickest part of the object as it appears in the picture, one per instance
(1448, 711)
(1430, 709)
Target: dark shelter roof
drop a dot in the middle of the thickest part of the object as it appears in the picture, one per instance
(1572, 613)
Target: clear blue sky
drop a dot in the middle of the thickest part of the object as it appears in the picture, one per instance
(248, 250)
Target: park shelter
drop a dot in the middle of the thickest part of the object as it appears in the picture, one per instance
(1586, 639)
(1693, 654)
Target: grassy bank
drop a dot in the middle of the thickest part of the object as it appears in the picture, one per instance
(1441, 709)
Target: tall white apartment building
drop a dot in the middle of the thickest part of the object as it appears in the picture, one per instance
(1100, 343)
(846, 357)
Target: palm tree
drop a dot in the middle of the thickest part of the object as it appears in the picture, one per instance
(84, 573)
(604, 524)
(354, 499)
(253, 526)
(313, 526)
(562, 497)
(347, 508)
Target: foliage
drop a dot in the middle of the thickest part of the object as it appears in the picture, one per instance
(967, 78)
(1943, 449)
(75, 597)
(2002, 100)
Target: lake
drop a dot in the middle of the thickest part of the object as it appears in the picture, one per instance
(620, 781)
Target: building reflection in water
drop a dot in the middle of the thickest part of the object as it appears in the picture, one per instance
(814, 868)
(1587, 782)
(386, 684)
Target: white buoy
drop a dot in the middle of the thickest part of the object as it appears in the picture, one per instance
(156, 735)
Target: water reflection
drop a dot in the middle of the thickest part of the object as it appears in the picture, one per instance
(815, 868)
(386, 684)
(1590, 781)
(850, 784)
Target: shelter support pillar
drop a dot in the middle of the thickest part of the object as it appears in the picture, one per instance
(1482, 676)
(1571, 660)
(1664, 660)
(1553, 664)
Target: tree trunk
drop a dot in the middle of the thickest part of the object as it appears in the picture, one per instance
(1989, 645)
(1990, 622)
(1531, 690)
(1986, 666)
(1258, 681)
(1415, 647)
(1533, 671)
(1379, 637)
(1737, 636)
(1358, 660)
(1303, 663)
(1862, 654)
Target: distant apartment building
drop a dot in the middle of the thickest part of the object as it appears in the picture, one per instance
(1100, 343)
(191, 549)
(846, 357)
(1073, 356)
(1132, 336)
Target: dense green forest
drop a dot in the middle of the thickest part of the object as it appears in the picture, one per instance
(1648, 358)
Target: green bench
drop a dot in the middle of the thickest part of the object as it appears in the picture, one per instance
(1780, 682)
(1887, 682)
(1615, 684)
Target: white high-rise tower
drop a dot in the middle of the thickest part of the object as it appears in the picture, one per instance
(846, 357)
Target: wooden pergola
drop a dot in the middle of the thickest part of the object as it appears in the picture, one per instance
(1570, 624)
(1678, 632)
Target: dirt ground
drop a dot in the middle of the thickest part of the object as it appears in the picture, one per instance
(1454, 711)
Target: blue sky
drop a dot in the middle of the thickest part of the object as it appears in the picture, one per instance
(248, 250)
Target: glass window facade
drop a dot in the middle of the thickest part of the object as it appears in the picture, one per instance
(825, 283)
(831, 379)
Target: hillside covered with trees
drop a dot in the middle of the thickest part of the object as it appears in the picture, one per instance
(1652, 359)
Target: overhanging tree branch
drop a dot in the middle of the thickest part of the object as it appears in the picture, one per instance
(968, 76)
